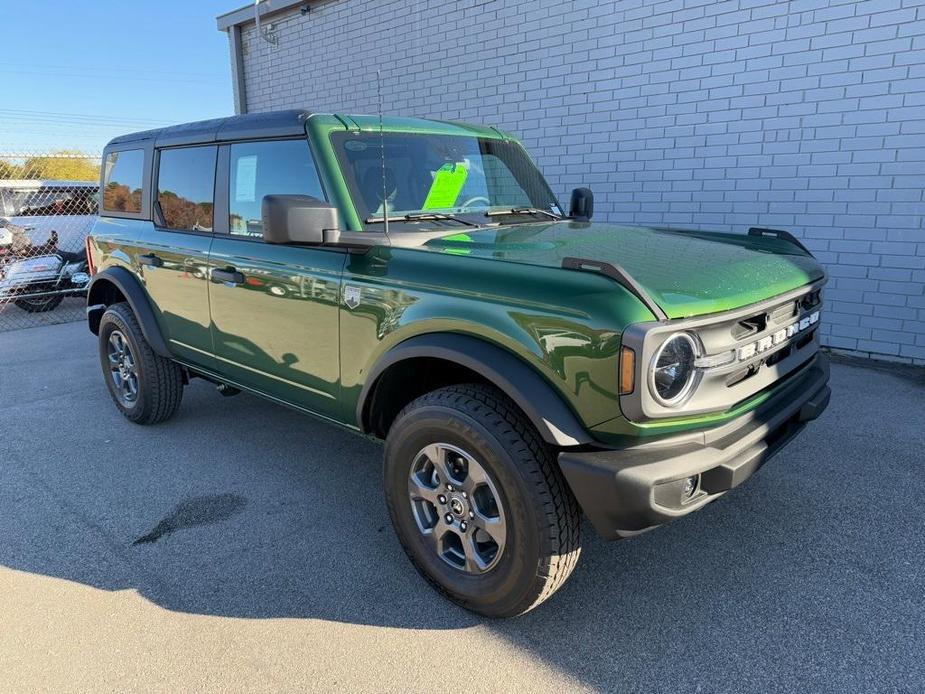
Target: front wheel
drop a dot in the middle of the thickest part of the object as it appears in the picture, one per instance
(478, 502)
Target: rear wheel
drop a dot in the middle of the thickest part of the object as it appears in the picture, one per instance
(146, 387)
(478, 502)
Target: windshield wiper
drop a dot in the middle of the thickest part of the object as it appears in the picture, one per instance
(423, 217)
(522, 210)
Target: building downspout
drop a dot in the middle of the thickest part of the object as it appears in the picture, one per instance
(237, 69)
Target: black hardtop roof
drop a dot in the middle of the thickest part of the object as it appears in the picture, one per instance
(251, 125)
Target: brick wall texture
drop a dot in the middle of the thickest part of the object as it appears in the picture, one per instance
(806, 115)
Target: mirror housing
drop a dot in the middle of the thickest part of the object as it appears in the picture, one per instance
(297, 219)
(581, 207)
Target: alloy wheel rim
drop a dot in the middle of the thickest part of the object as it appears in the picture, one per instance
(457, 508)
(123, 368)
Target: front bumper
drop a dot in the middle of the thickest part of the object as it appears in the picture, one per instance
(627, 491)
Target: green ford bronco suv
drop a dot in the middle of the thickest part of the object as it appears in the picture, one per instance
(417, 281)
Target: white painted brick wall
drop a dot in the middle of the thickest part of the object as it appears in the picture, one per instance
(807, 115)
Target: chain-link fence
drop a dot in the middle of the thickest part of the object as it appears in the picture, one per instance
(48, 203)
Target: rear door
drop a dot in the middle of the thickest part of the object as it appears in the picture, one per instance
(175, 262)
(274, 308)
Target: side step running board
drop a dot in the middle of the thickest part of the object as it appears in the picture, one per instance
(619, 275)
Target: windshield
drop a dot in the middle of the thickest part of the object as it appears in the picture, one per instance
(438, 175)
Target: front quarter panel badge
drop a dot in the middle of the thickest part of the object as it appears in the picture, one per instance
(351, 296)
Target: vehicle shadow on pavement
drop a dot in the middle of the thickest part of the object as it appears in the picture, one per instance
(808, 577)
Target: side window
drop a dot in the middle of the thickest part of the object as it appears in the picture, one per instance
(283, 167)
(122, 181)
(186, 187)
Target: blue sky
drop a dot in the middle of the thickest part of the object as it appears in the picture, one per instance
(75, 74)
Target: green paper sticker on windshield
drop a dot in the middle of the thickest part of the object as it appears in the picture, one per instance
(448, 183)
(461, 239)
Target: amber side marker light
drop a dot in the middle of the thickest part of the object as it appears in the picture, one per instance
(627, 371)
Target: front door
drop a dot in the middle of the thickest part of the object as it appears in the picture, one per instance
(176, 257)
(274, 308)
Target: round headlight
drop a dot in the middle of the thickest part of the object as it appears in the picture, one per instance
(673, 369)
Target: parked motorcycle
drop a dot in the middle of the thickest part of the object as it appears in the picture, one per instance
(38, 284)
(15, 242)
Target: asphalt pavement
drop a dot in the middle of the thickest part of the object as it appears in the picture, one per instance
(243, 546)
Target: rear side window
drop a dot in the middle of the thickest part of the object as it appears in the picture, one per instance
(283, 167)
(122, 182)
(186, 187)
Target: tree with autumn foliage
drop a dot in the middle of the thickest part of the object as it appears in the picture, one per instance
(66, 165)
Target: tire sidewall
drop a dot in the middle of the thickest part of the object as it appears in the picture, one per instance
(113, 320)
(29, 306)
(511, 580)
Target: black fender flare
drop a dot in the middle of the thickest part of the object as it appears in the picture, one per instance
(543, 406)
(136, 297)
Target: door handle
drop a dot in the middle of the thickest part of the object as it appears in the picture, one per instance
(227, 274)
(150, 260)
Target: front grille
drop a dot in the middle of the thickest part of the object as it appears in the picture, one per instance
(782, 314)
(750, 326)
(743, 352)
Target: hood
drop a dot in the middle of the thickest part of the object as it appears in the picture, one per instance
(687, 273)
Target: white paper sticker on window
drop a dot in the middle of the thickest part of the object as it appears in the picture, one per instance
(245, 189)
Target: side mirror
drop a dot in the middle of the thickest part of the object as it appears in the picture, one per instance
(297, 219)
(582, 205)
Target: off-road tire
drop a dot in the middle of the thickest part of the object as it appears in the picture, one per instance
(160, 380)
(544, 522)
